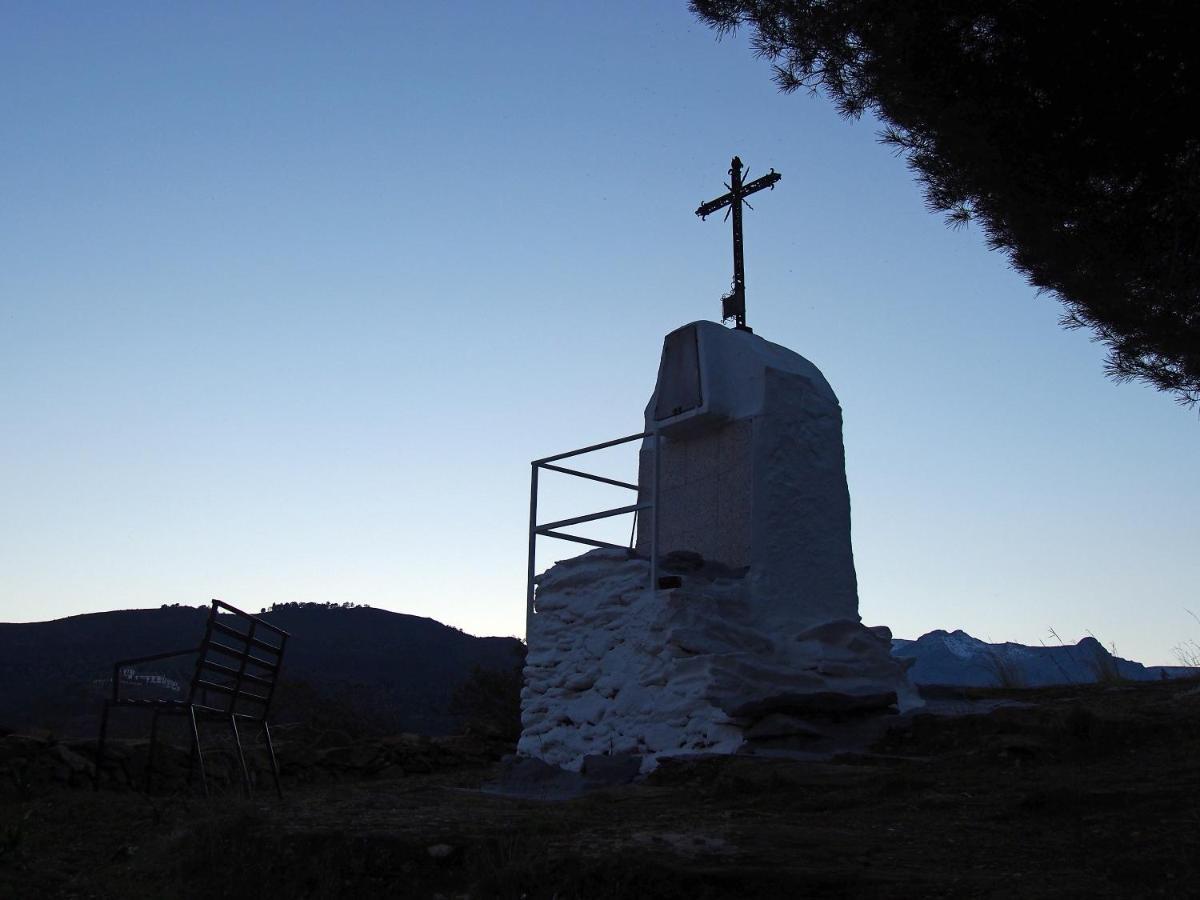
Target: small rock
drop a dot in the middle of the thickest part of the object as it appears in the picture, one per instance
(439, 851)
(71, 759)
(780, 725)
(529, 777)
(613, 770)
(817, 703)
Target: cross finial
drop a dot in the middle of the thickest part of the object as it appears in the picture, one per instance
(733, 304)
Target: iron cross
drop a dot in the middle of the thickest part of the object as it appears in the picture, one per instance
(733, 304)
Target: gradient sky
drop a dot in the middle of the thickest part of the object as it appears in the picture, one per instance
(290, 294)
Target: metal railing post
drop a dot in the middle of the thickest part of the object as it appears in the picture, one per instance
(533, 492)
(548, 528)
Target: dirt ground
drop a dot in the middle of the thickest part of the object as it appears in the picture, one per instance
(1073, 792)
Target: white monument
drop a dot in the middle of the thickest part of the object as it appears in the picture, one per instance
(755, 641)
(752, 640)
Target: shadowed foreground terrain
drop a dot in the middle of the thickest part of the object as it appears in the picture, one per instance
(1064, 792)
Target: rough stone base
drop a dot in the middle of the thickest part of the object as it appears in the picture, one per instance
(616, 669)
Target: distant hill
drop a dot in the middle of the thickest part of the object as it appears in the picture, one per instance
(956, 658)
(348, 667)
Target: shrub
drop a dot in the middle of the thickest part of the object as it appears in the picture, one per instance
(489, 701)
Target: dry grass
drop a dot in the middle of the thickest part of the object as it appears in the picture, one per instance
(1104, 665)
(1188, 651)
(1007, 672)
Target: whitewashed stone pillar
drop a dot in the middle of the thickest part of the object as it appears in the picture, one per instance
(753, 471)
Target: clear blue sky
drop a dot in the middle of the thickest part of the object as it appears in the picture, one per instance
(291, 294)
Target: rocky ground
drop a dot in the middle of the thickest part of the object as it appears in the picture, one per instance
(1059, 792)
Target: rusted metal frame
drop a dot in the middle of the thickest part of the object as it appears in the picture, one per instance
(229, 670)
(601, 446)
(199, 752)
(213, 711)
(243, 614)
(193, 749)
(237, 740)
(530, 563)
(195, 710)
(154, 657)
(565, 471)
(548, 530)
(271, 753)
(591, 517)
(238, 654)
(239, 692)
(248, 638)
(223, 689)
(563, 536)
(271, 695)
(209, 710)
(232, 691)
(204, 645)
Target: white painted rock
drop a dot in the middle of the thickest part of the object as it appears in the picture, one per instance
(614, 668)
(752, 471)
(761, 646)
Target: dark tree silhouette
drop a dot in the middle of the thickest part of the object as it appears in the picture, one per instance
(1067, 131)
(489, 701)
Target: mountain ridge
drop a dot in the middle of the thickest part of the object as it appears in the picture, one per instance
(395, 669)
(957, 658)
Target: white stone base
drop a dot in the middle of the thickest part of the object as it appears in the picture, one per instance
(614, 668)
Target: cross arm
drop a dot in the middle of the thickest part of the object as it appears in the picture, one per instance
(767, 181)
(707, 209)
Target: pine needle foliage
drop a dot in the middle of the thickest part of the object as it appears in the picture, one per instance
(1066, 131)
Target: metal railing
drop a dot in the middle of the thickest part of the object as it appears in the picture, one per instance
(550, 529)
